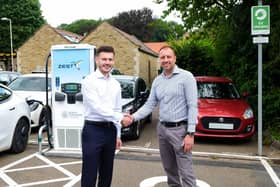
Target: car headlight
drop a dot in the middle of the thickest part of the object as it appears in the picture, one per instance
(248, 113)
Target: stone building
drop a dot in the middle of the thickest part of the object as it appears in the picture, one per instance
(132, 56)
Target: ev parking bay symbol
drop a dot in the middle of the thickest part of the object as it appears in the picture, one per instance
(151, 182)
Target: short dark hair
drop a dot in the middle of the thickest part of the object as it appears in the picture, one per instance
(107, 49)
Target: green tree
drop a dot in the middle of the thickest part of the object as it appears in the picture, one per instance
(163, 30)
(228, 24)
(81, 27)
(26, 18)
(135, 22)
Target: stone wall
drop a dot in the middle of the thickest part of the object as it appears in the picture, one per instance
(31, 56)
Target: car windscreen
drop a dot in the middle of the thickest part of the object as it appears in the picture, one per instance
(127, 88)
(29, 84)
(217, 90)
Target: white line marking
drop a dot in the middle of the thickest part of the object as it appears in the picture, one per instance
(66, 172)
(45, 182)
(151, 182)
(73, 181)
(148, 144)
(18, 161)
(7, 179)
(271, 172)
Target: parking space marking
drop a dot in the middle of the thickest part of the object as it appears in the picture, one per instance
(7, 179)
(271, 172)
(66, 172)
(73, 181)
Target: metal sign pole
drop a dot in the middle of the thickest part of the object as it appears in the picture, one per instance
(259, 95)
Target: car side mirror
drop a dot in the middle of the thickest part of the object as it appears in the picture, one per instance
(245, 94)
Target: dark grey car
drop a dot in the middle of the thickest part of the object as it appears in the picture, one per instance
(134, 94)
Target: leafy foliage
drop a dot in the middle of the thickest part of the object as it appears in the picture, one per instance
(26, 19)
(81, 27)
(227, 24)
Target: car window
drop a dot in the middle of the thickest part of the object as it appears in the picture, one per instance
(127, 87)
(4, 77)
(217, 90)
(4, 94)
(29, 84)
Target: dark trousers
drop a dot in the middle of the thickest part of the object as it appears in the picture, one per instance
(98, 149)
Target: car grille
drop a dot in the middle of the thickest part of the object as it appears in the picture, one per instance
(206, 120)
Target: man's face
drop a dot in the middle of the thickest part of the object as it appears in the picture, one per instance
(105, 62)
(167, 59)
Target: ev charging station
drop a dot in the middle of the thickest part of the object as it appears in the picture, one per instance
(70, 64)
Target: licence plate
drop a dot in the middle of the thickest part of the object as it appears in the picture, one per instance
(228, 126)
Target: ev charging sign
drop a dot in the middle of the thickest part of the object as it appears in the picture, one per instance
(70, 64)
(260, 20)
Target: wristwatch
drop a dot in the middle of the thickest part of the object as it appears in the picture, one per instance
(191, 134)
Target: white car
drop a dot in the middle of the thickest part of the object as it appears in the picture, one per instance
(15, 121)
(33, 86)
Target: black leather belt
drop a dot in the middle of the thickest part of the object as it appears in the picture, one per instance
(174, 124)
(100, 123)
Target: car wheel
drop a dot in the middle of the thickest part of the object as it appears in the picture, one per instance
(20, 138)
(137, 130)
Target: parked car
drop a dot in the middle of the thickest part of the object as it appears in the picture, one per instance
(134, 95)
(222, 111)
(33, 86)
(15, 121)
(8, 76)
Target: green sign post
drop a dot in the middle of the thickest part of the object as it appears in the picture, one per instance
(260, 20)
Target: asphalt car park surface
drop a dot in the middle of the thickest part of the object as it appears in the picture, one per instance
(233, 164)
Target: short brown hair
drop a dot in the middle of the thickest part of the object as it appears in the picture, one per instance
(167, 46)
(106, 49)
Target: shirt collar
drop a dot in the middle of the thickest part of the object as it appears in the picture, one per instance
(174, 72)
(99, 75)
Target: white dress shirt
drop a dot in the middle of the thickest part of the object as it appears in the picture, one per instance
(102, 99)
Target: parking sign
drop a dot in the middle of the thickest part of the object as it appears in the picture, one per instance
(260, 20)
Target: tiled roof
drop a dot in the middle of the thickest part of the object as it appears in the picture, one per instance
(155, 46)
(72, 37)
(137, 42)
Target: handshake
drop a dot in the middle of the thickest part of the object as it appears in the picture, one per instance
(127, 120)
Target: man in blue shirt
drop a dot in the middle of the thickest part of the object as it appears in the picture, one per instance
(175, 91)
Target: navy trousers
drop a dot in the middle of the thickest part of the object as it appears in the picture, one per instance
(98, 149)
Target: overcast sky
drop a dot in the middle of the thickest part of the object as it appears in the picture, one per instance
(57, 12)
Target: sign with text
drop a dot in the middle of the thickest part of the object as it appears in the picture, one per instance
(260, 20)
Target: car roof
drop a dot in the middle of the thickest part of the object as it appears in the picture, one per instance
(126, 77)
(35, 75)
(10, 72)
(212, 79)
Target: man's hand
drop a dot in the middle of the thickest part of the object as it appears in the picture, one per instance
(127, 120)
(118, 143)
(188, 143)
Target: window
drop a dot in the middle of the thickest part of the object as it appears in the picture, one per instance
(4, 94)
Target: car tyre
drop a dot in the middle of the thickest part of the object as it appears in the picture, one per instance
(20, 138)
(137, 130)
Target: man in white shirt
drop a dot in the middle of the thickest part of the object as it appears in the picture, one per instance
(103, 120)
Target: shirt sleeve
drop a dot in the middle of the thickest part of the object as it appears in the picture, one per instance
(148, 107)
(191, 97)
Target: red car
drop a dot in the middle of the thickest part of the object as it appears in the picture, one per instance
(222, 112)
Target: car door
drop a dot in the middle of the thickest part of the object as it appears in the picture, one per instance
(7, 116)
